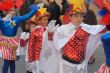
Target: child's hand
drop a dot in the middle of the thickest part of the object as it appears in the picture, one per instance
(40, 4)
(51, 32)
(51, 25)
(23, 35)
(27, 36)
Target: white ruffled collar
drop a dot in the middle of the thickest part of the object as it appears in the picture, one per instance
(74, 26)
(40, 26)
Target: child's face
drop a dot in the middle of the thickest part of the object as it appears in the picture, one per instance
(27, 27)
(32, 25)
(77, 19)
(43, 21)
(12, 12)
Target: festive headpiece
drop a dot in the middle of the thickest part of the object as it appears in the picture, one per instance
(77, 6)
(32, 20)
(65, 18)
(104, 6)
(41, 13)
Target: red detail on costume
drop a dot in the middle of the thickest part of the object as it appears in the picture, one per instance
(35, 44)
(50, 35)
(6, 4)
(76, 47)
(66, 18)
(104, 30)
(8, 52)
(23, 42)
(71, 7)
(106, 19)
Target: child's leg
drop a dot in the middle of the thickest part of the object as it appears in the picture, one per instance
(12, 66)
(5, 66)
(28, 67)
(91, 60)
(29, 72)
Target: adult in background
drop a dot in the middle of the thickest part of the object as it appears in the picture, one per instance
(90, 18)
(56, 8)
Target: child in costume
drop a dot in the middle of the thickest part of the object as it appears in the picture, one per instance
(104, 7)
(39, 45)
(23, 47)
(105, 68)
(76, 41)
(8, 39)
(36, 39)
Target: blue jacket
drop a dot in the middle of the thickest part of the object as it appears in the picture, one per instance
(9, 28)
(106, 44)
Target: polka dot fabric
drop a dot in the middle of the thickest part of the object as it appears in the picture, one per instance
(76, 46)
(35, 44)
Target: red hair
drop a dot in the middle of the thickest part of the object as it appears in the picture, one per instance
(6, 5)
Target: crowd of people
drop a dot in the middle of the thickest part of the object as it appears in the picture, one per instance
(58, 36)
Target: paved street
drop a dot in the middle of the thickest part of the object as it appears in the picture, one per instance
(100, 57)
(91, 69)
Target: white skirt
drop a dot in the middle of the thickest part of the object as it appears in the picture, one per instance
(49, 61)
(66, 67)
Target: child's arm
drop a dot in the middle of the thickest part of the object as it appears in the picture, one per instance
(23, 18)
(59, 39)
(24, 39)
(51, 29)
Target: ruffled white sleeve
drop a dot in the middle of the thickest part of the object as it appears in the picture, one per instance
(59, 41)
(92, 29)
(62, 36)
(22, 50)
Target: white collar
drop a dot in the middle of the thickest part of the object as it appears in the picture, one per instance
(73, 26)
(40, 26)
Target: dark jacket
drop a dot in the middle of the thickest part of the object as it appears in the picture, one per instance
(54, 11)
